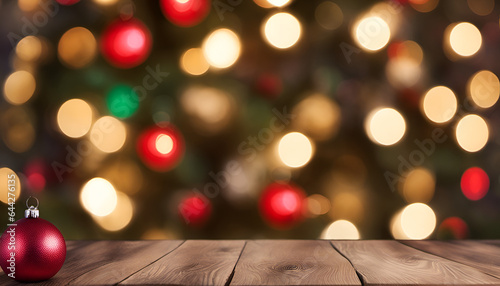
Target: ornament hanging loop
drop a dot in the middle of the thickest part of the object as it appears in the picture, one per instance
(32, 211)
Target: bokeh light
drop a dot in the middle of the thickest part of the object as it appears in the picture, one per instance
(11, 184)
(407, 50)
(403, 72)
(453, 228)
(125, 175)
(209, 109)
(74, 118)
(279, 3)
(122, 101)
(481, 7)
(108, 134)
(195, 210)
(120, 217)
(126, 44)
(282, 30)
(295, 149)
(77, 48)
(475, 183)
(464, 39)
(318, 205)
(193, 62)
(98, 196)
(28, 5)
(29, 49)
(281, 205)
(341, 229)
(424, 6)
(418, 221)
(18, 129)
(19, 87)
(372, 33)
(419, 186)
(472, 133)
(484, 88)
(347, 205)
(317, 116)
(221, 48)
(329, 15)
(385, 126)
(439, 104)
(185, 13)
(106, 2)
(161, 148)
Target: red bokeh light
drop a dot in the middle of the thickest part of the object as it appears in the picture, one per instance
(161, 148)
(195, 210)
(36, 172)
(281, 204)
(475, 183)
(455, 227)
(269, 85)
(67, 2)
(185, 13)
(126, 44)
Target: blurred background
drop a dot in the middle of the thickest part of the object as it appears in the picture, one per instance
(253, 118)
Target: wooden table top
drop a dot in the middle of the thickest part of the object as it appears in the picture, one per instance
(278, 262)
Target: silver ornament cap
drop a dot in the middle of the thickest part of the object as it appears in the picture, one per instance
(32, 211)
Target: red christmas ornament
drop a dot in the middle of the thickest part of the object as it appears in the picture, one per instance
(281, 204)
(32, 249)
(161, 148)
(126, 44)
(195, 210)
(185, 13)
(475, 183)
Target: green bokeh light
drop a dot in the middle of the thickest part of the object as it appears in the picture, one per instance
(122, 101)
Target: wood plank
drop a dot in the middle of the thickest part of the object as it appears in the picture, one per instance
(476, 254)
(293, 262)
(91, 257)
(392, 263)
(127, 258)
(196, 262)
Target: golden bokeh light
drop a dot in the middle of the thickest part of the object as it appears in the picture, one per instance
(106, 2)
(210, 109)
(77, 48)
(19, 87)
(347, 205)
(193, 62)
(410, 50)
(108, 134)
(385, 126)
(484, 88)
(18, 129)
(439, 104)
(317, 116)
(10, 185)
(341, 229)
(74, 118)
(418, 221)
(318, 205)
(481, 7)
(464, 39)
(29, 49)
(221, 48)
(295, 149)
(279, 3)
(372, 33)
(396, 227)
(120, 217)
(263, 3)
(281, 30)
(472, 133)
(329, 15)
(403, 72)
(419, 186)
(424, 6)
(125, 175)
(98, 197)
(28, 5)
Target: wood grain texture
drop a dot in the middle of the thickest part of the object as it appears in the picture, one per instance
(196, 262)
(479, 255)
(123, 259)
(102, 262)
(392, 263)
(293, 262)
